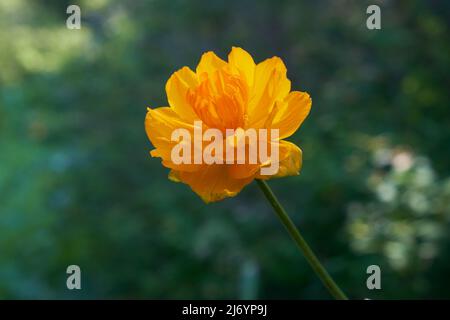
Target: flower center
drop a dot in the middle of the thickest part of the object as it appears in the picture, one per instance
(220, 100)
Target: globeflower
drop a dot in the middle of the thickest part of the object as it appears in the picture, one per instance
(225, 127)
(241, 107)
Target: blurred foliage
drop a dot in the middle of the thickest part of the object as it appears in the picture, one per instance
(77, 185)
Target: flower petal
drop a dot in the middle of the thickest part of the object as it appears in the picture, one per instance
(211, 183)
(176, 89)
(243, 63)
(290, 161)
(270, 85)
(242, 171)
(291, 113)
(159, 125)
(209, 62)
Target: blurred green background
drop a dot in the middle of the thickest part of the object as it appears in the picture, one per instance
(77, 185)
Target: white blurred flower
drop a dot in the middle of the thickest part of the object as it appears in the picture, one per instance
(402, 161)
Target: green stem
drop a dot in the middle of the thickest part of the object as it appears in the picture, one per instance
(301, 243)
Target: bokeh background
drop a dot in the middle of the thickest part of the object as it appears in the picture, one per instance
(77, 185)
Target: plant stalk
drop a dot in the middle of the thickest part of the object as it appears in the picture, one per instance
(318, 268)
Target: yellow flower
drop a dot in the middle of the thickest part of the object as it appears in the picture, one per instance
(228, 95)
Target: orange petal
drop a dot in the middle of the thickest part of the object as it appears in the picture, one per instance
(242, 171)
(159, 125)
(209, 63)
(291, 113)
(176, 89)
(242, 63)
(211, 183)
(290, 161)
(270, 85)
